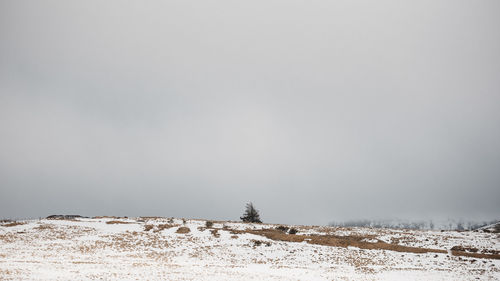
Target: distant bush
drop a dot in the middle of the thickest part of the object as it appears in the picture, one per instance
(209, 224)
(497, 228)
(148, 227)
(63, 217)
(293, 231)
(464, 249)
(282, 228)
(44, 227)
(183, 230)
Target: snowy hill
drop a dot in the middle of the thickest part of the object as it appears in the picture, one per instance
(492, 228)
(175, 249)
(440, 224)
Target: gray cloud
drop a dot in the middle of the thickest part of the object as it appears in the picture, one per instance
(316, 111)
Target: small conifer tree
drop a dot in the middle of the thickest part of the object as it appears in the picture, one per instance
(251, 214)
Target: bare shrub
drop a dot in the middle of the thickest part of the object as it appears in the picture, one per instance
(251, 214)
(357, 241)
(183, 230)
(464, 249)
(163, 226)
(490, 251)
(215, 233)
(148, 227)
(149, 218)
(44, 227)
(282, 228)
(209, 224)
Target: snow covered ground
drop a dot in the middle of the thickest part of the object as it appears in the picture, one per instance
(159, 249)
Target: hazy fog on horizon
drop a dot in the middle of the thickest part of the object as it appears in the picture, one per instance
(316, 111)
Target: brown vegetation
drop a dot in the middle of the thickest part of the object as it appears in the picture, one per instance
(15, 223)
(183, 230)
(44, 227)
(158, 228)
(161, 227)
(118, 222)
(215, 233)
(356, 241)
(464, 249)
(257, 243)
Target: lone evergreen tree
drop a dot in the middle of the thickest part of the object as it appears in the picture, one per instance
(251, 214)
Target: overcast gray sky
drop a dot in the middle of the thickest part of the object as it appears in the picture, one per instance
(314, 110)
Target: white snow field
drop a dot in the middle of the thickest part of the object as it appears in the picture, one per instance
(164, 249)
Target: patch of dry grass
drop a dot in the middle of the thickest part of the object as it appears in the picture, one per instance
(44, 227)
(163, 226)
(356, 241)
(14, 223)
(158, 228)
(257, 243)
